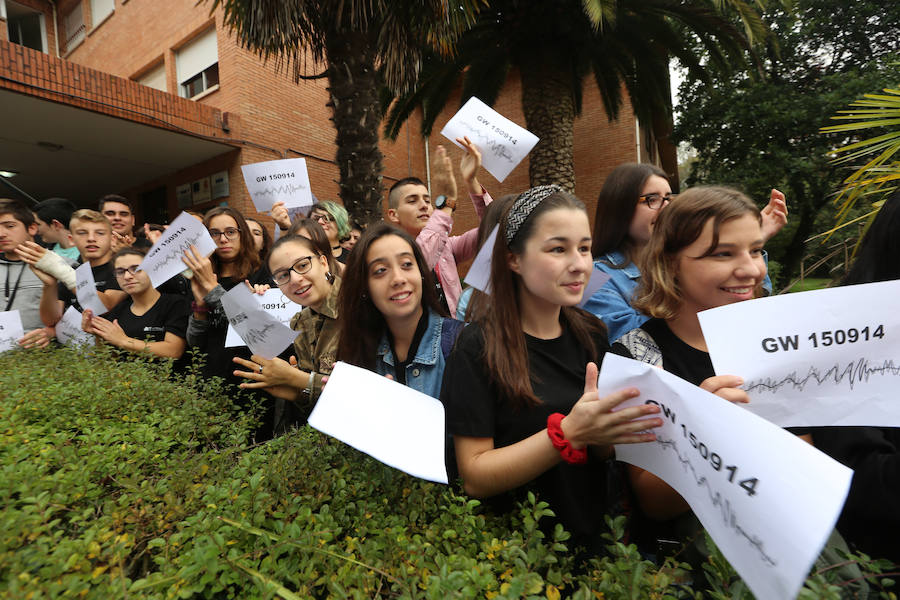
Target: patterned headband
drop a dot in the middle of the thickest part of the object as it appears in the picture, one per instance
(523, 206)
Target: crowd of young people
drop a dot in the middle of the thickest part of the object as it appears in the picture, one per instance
(519, 381)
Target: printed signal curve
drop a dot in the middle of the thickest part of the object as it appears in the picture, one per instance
(497, 149)
(855, 371)
(182, 248)
(254, 336)
(729, 516)
(280, 190)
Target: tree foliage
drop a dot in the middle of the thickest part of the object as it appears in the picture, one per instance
(760, 132)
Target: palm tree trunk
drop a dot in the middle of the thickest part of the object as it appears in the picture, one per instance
(548, 102)
(353, 88)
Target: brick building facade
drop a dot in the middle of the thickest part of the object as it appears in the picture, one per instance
(152, 98)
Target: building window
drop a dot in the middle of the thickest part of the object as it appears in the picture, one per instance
(100, 9)
(26, 27)
(73, 24)
(155, 78)
(197, 65)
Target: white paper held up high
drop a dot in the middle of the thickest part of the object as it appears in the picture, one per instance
(164, 259)
(767, 498)
(397, 425)
(818, 358)
(274, 181)
(502, 143)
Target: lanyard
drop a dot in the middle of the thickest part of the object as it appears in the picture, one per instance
(11, 299)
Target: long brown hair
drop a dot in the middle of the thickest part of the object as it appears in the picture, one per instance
(505, 351)
(617, 204)
(362, 324)
(659, 294)
(248, 260)
(318, 237)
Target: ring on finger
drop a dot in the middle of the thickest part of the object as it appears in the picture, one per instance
(260, 369)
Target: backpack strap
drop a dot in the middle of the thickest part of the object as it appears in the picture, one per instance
(450, 330)
(642, 347)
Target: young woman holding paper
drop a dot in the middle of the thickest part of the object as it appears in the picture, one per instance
(235, 261)
(630, 202)
(302, 273)
(146, 321)
(520, 388)
(706, 250)
(401, 329)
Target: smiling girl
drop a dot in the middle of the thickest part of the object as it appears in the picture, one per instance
(301, 272)
(520, 389)
(147, 320)
(400, 328)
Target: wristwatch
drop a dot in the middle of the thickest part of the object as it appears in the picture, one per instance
(441, 201)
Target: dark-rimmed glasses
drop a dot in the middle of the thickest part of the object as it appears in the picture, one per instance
(322, 218)
(301, 265)
(229, 232)
(120, 272)
(656, 201)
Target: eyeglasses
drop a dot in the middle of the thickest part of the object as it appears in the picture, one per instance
(120, 272)
(323, 218)
(230, 233)
(656, 201)
(300, 266)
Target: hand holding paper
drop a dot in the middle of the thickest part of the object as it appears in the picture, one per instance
(165, 259)
(263, 333)
(86, 290)
(285, 181)
(68, 329)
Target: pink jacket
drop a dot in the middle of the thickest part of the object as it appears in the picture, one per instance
(445, 252)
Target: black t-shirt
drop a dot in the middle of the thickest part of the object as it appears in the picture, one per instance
(103, 278)
(679, 358)
(580, 495)
(168, 315)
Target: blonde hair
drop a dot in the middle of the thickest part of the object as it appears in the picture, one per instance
(678, 226)
(91, 216)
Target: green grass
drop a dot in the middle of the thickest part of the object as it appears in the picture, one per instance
(811, 283)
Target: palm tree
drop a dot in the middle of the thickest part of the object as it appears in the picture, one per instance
(554, 46)
(363, 44)
(879, 176)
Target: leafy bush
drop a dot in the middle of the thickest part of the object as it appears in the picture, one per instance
(119, 480)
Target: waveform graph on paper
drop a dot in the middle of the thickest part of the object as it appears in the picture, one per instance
(846, 375)
(279, 191)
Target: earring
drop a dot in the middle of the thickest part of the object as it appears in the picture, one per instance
(329, 277)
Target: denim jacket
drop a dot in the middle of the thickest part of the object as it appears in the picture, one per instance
(425, 371)
(612, 302)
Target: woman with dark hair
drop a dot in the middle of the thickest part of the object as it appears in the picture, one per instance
(520, 386)
(310, 228)
(869, 519)
(301, 271)
(262, 239)
(399, 328)
(146, 321)
(235, 261)
(627, 208)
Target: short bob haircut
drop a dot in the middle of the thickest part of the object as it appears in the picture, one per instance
(659, 294)
(359, 339)
(616, 206)
(338, 213)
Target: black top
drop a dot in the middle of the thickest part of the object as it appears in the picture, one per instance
(343, 256)
(169, 314)
(578, 494)
(103, 278)
(870, 519)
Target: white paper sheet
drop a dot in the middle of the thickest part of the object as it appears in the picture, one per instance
(597, 280)
(69, 331)
(825, 357)
(390, 422)
(278, 181)
(86, 290)
(11, 330)
(164, 259)
(479, 274)
(767, 498)
(264, 334)
(274, 303)
(502, 143)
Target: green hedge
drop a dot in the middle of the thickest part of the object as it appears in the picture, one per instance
(118, 480)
